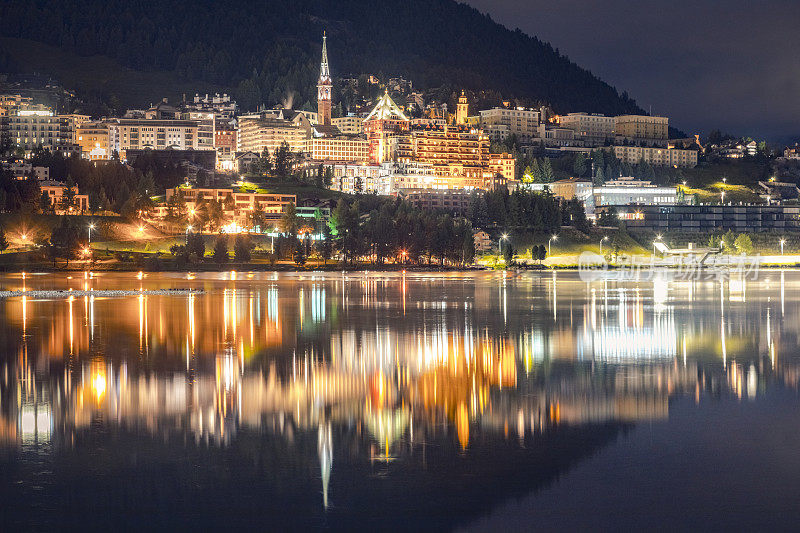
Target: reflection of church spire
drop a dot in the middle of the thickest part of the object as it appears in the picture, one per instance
(325, 451)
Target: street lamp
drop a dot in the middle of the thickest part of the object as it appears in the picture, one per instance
(141, 228)
(503, 237)
(91, 227)
(658, 239)
(188, 229)
(601, 244)
(553, 238)
(724, 180)
(783, 241)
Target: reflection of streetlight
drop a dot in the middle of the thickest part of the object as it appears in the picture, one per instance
(722, 195)
(783, 241)
(553, 238)
(601, 244)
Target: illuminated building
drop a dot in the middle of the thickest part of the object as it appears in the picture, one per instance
(96, 140)
(223, 107)
(455, 200)
(225, 145)
(455, 152)
(792, 152)
(552, 135)
(656, 156)
(244, 160)
(711, 218)
(462, 109)
(352, 178)
(624, 191)
(324, 88)
(498, 123)
(206, 129)
(388, 178)
(411, 175)
(349, 125)
(504, 164)
(483, 242)
(37, 126)
(383, 123)
(21, 170)
(236, 205)
(56, 190)
(340, 148)
(261, 131)
(155, 134)
(634, 129)
(11, 103)
(593, 129)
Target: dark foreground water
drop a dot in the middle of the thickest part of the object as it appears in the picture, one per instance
(401, 401)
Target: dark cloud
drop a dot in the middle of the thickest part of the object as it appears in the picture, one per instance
(706, 64)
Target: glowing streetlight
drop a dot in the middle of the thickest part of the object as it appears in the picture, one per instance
(658, 239)
(141, 228)
(724, 180)
(91, 227)
(783, 241)
(188, 229)
(601, 244)
(722, 196)
(24, 237)
(553, 238)
(503, 237)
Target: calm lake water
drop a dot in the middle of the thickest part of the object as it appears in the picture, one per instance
(401, 401)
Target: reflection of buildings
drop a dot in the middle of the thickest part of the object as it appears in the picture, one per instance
(382, 365)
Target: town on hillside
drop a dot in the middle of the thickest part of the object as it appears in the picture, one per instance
(398, 175)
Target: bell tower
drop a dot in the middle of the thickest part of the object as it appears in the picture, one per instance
(324, 87)
(462, 109)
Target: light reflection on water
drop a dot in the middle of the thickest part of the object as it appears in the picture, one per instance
(282, 383)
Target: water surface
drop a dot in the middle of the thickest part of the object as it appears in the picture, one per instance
(401, 401)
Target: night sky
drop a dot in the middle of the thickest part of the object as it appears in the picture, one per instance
(732, 65)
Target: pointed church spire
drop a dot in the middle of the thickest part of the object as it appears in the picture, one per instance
(324, 72)
(324, 87)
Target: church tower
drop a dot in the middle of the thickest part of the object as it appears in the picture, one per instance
(324, 86)
(462, 109)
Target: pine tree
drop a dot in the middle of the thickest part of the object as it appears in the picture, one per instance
(547, 171)
(580, 164)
